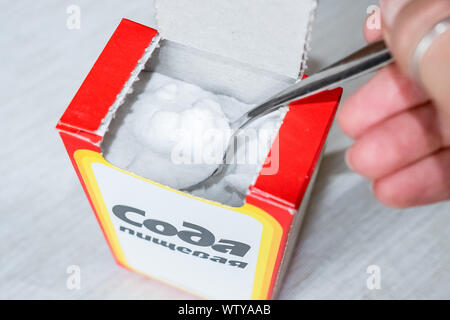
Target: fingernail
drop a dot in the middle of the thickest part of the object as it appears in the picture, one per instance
(390, 10)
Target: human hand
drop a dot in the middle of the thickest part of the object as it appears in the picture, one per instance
(402, 128)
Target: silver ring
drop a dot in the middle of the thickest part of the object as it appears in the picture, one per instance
(424, 44)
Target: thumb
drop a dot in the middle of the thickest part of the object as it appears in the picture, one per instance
(405, 23)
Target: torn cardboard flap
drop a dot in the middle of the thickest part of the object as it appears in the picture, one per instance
(268, 34)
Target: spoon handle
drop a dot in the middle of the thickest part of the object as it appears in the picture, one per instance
(370, 58)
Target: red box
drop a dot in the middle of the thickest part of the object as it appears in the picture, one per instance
(268, 222)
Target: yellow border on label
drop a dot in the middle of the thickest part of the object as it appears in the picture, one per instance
(270, 238)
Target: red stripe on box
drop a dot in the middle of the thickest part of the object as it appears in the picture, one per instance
(108, 76)
(72, 144)
(301, 139)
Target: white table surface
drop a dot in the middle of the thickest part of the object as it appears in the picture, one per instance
(46, 221)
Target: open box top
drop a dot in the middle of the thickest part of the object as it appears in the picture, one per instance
(271, 35)
(244, 49)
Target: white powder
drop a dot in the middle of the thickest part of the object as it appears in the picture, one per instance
(175, 134)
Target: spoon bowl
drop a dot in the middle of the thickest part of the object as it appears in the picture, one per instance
(366, 60)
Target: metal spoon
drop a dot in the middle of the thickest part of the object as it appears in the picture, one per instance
(368, 59)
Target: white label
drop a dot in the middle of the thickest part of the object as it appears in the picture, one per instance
(155, 228)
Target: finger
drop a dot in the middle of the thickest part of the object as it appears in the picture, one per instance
(372, 27)
(424, 182)
(396, 143)
(388, 93)
(435, 72)
(404, 30)
(390, 10)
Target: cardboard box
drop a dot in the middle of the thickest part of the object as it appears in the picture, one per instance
(211, 250)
